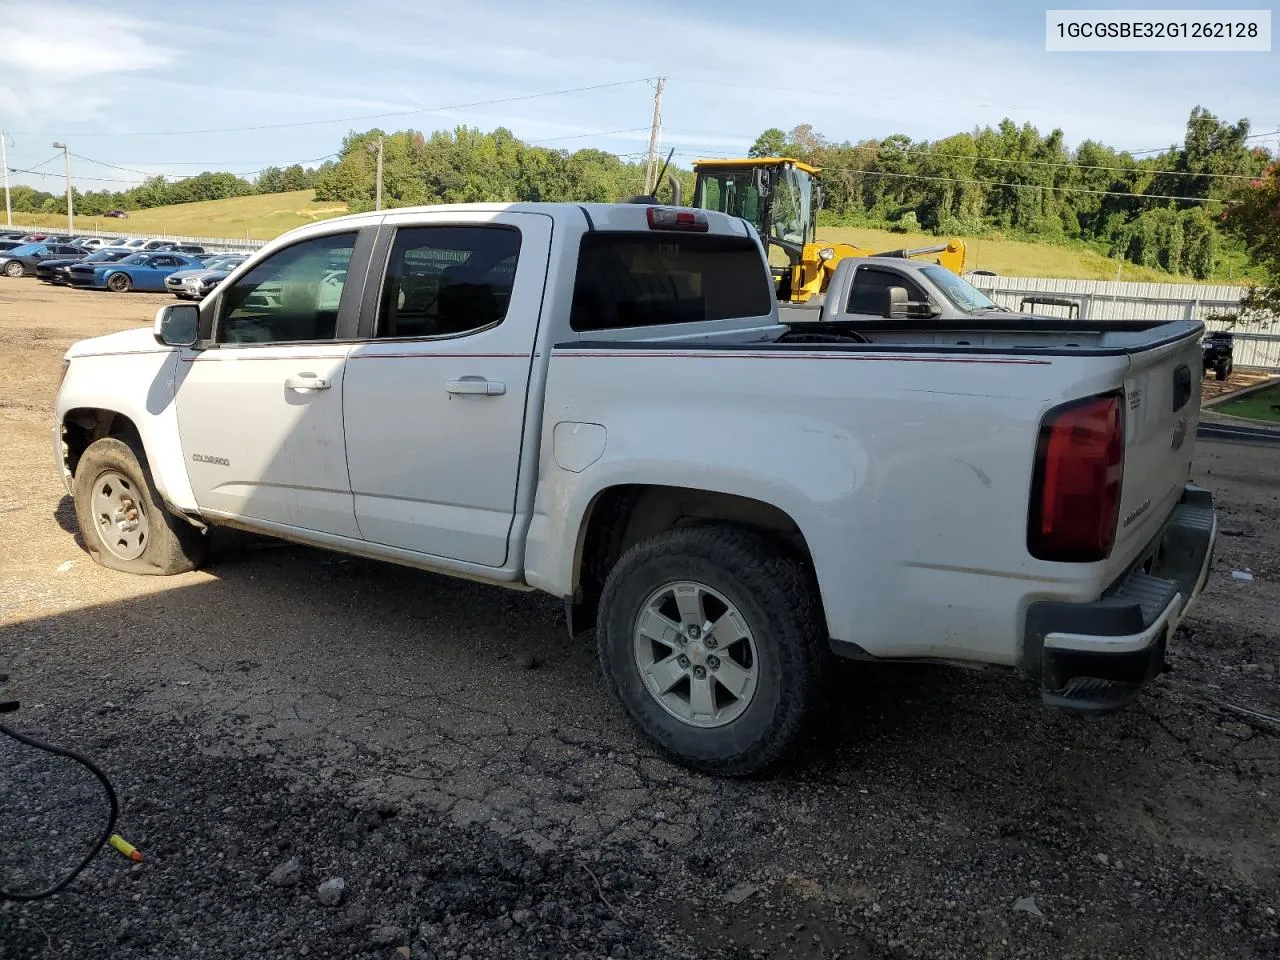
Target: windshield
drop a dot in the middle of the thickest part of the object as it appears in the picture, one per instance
(732, 193)
(106, 256)
(27, 249)
(136, 258)
(960, 291)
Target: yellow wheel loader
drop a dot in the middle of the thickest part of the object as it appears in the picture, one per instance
(780, 196)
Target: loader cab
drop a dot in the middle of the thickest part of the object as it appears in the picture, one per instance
(777, 195)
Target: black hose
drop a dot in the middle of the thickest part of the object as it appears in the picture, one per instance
(106, 833)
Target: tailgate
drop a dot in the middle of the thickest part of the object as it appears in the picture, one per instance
(1162, 399)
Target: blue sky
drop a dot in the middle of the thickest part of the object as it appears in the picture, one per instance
(106, 77)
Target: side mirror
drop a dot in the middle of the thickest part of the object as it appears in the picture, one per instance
(178, 324)
(895, 303)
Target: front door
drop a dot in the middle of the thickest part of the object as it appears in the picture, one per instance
(435, 397)
(260, 410)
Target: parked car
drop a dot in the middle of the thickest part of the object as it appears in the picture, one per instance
(9, 244)
(1216, 353)
(60, 238)
(58, 272)
(90, 243)
(21, 261)
(142, 271)
(12, 235)
(187, 248)
(117, 214)
(151, 245)
(34, 237)
(196, 284)
(562, 402)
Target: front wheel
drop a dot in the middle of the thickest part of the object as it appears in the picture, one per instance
(1222, 370)
(124, 524)
(119, 283)
(13, 269)
(712, 639)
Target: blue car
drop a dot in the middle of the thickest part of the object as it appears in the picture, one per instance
(58, 271)
(142, 271)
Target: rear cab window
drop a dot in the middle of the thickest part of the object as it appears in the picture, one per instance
(629, 279)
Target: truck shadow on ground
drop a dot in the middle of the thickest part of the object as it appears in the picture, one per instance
(472, 702)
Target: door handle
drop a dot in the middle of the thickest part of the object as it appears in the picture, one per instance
(477, 386)
(308, 381)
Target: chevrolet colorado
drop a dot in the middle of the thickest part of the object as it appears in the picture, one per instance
(600, 402)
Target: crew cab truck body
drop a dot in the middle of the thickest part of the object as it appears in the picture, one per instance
(599, 402)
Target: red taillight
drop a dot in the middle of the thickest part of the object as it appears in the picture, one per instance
(1075, 495)
(669, 218)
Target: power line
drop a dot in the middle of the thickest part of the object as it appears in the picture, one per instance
(1033, 186)
(1252, 136)
(36, 169)
(147, 173)
(367, 116)
(594, 133)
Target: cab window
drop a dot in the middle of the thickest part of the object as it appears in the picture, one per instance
(292, 295)
(870, 284)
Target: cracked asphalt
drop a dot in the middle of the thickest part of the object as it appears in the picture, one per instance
(445, 750)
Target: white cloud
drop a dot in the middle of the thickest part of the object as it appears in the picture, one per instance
(55, 58)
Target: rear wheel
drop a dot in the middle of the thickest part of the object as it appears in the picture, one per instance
(712, 639)
(124, 524)
(13, 269)
(119, 283)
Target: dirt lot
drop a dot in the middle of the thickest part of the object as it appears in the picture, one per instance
(288, 716)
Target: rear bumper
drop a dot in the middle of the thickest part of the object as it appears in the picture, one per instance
(1099, 656)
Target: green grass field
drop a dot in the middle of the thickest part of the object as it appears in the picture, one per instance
(1254, 406)
(253, 218)
(268, 215)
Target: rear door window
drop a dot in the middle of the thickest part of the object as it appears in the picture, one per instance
(448, 280)
(639, 280)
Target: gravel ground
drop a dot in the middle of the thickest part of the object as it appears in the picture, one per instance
(289, 717)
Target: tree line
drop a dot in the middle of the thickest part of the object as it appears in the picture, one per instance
(1017, 181)
(159, 191)
(1009, 180)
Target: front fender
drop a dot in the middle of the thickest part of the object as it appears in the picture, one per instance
(136, 382)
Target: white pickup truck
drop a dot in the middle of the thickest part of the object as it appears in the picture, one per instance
(600, 402)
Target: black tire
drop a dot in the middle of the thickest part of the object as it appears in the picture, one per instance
(14, 269)
(1221, 370)
(776, 595)
(119, 283)
(172, 545)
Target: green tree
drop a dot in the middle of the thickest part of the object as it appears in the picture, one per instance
(771, 143)
(1254, 219)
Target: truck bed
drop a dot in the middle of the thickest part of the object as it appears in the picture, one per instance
(1014, 335)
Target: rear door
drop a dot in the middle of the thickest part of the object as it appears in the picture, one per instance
(435, 394)
(1162, 394)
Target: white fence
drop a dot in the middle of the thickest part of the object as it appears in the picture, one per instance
(1255, 343)
(209, 243)
(1115, 300)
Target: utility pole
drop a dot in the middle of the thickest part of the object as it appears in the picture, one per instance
(377, 202)
(651, 168)
(4, 162)
(66, 155)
